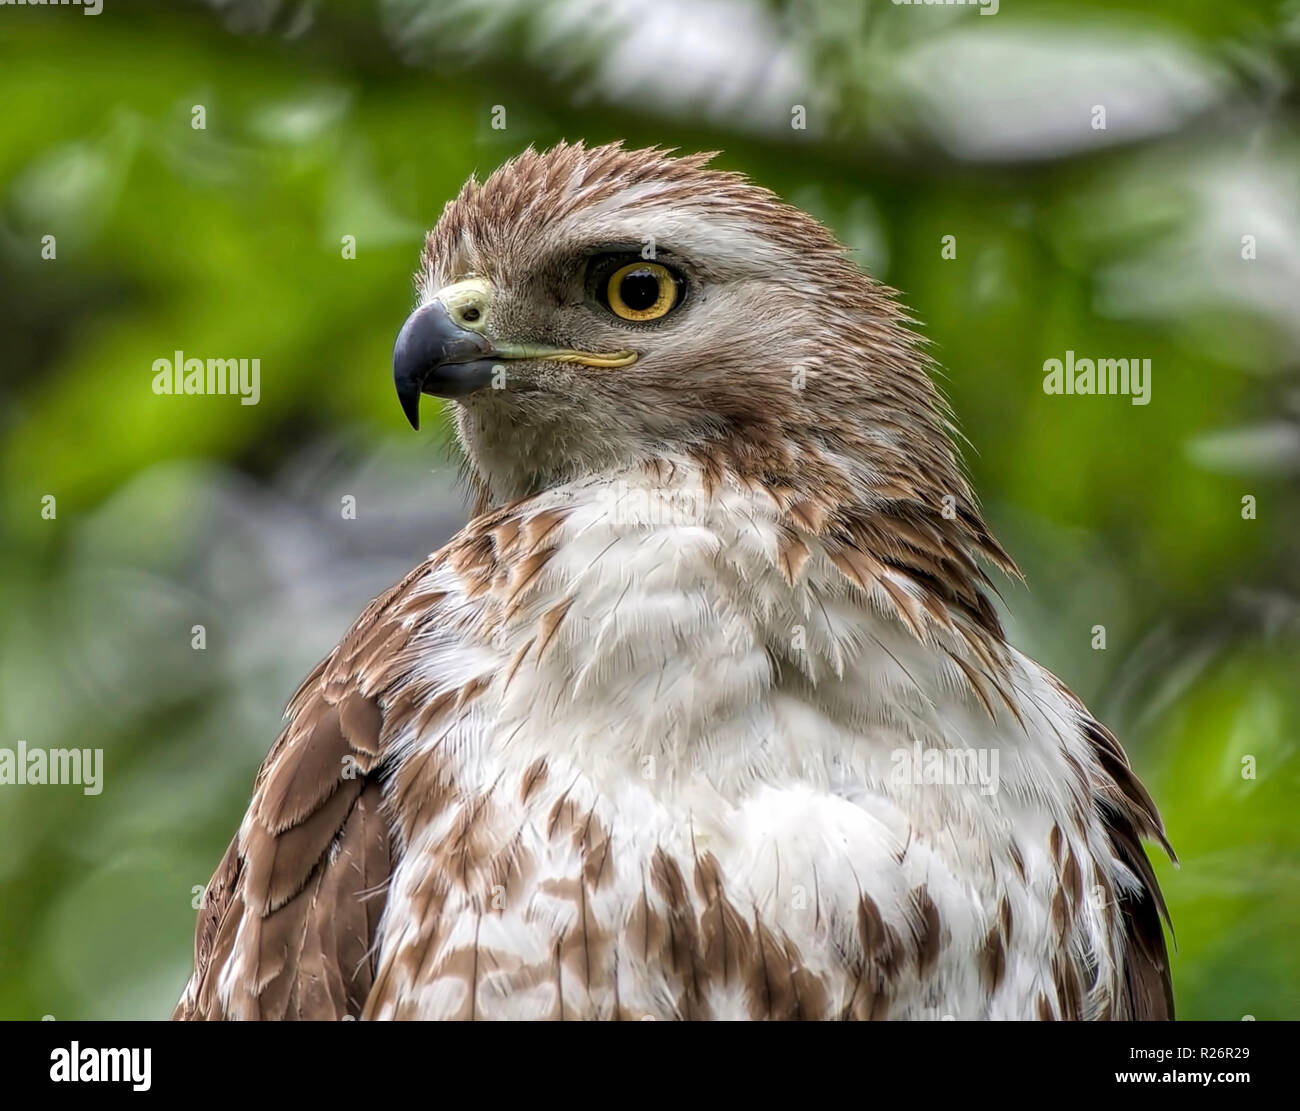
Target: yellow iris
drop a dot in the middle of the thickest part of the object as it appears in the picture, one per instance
(641, 291)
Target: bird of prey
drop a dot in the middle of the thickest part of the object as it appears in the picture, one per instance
(695, 718)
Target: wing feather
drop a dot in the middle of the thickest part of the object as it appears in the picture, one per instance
(287, 924)
(1130, 815)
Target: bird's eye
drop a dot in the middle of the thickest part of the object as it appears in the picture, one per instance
(642, 291)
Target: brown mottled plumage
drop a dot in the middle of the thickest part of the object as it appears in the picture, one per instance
(620, 748)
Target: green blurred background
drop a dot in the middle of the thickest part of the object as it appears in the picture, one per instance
(329, 120)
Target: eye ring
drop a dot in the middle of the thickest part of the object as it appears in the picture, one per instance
(641, 290)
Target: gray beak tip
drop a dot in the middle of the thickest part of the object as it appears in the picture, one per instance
(434, 355)
(410, 402)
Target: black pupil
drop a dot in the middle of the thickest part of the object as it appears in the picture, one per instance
(639, 290)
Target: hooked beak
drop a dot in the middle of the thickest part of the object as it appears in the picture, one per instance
(435, 355)
(442, 349)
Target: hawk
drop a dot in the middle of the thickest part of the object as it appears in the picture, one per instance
(695, 718)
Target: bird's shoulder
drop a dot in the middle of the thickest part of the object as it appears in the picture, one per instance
(286, 923)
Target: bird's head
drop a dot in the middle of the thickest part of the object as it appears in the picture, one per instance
(589, 308)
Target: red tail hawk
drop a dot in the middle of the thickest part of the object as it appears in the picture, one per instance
(706, 713)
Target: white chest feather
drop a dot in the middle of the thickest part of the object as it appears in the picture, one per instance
(674, 783)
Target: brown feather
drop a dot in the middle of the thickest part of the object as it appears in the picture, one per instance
(291, 913)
